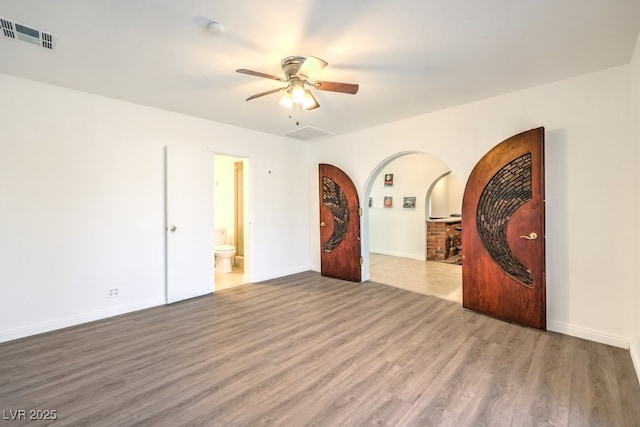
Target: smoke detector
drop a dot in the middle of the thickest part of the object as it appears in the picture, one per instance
(14, 30)
(215, 28)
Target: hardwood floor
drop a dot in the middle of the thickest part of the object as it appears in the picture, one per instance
(307, 350)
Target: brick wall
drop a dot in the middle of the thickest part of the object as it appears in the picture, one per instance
(442, 239)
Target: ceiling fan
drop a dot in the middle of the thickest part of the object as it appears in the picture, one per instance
(298, 74)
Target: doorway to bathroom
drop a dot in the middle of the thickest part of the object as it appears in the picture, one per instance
(230, 219)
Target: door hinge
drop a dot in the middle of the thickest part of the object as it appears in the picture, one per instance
(361, 260)
(359, 211)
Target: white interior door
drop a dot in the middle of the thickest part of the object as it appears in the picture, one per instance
(190, 223)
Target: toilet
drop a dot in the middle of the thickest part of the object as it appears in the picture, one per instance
(224, 252)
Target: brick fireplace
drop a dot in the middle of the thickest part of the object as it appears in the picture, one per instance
(444, 238)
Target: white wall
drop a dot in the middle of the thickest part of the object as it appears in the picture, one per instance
(446, 197)
(589, 171)
(456, 192)
(439, 199)
(400, 231)
(635, 213)
(82, 196)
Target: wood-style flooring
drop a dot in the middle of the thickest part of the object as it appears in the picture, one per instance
(307, 350)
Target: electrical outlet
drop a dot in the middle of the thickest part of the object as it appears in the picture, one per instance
(113, 292)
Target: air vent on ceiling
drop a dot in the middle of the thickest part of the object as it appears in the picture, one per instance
(13, 30)
(308, 132)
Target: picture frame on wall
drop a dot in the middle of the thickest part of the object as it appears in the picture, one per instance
(409, 202)
(388, 180)
(388, 201)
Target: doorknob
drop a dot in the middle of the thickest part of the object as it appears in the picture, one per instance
(531, 236)
(322, 224)
(173, 228)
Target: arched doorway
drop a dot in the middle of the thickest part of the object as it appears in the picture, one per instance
(399, 197)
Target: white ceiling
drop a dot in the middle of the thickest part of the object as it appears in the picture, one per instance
(408, 56)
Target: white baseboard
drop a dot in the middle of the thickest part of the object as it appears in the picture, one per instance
(419, 257)
(278, 274)
(589, 334)
(65, 322)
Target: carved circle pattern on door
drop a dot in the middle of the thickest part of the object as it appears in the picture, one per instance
(504, 194)
(334, 198)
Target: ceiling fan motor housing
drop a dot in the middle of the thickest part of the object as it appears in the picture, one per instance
(291, 65)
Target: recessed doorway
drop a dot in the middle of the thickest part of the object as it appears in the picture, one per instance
(231, 200)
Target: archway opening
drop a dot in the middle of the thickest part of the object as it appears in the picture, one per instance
(402, 195)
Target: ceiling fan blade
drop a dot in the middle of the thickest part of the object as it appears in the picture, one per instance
(269, 92)
(259, 74)
(337, 87)
(311, 66)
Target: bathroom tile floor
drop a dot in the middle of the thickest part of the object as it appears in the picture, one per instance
(229, 280)
(424, 277)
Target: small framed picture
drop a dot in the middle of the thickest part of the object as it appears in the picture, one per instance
(388, 201)
(388, 180)
(409, 202)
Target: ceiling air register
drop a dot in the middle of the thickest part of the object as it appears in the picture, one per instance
(31, 35)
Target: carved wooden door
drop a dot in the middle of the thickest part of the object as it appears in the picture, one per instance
(339, 225)
(503, 235)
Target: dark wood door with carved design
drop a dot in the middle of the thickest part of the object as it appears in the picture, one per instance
(339, 225)
(503, 234)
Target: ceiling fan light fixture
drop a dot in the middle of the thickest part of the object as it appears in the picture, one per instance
(287, 100)
(310, 102)
(297, 91)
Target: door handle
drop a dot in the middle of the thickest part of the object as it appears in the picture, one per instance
(173, 228)
(531, 236)
(322, 224)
